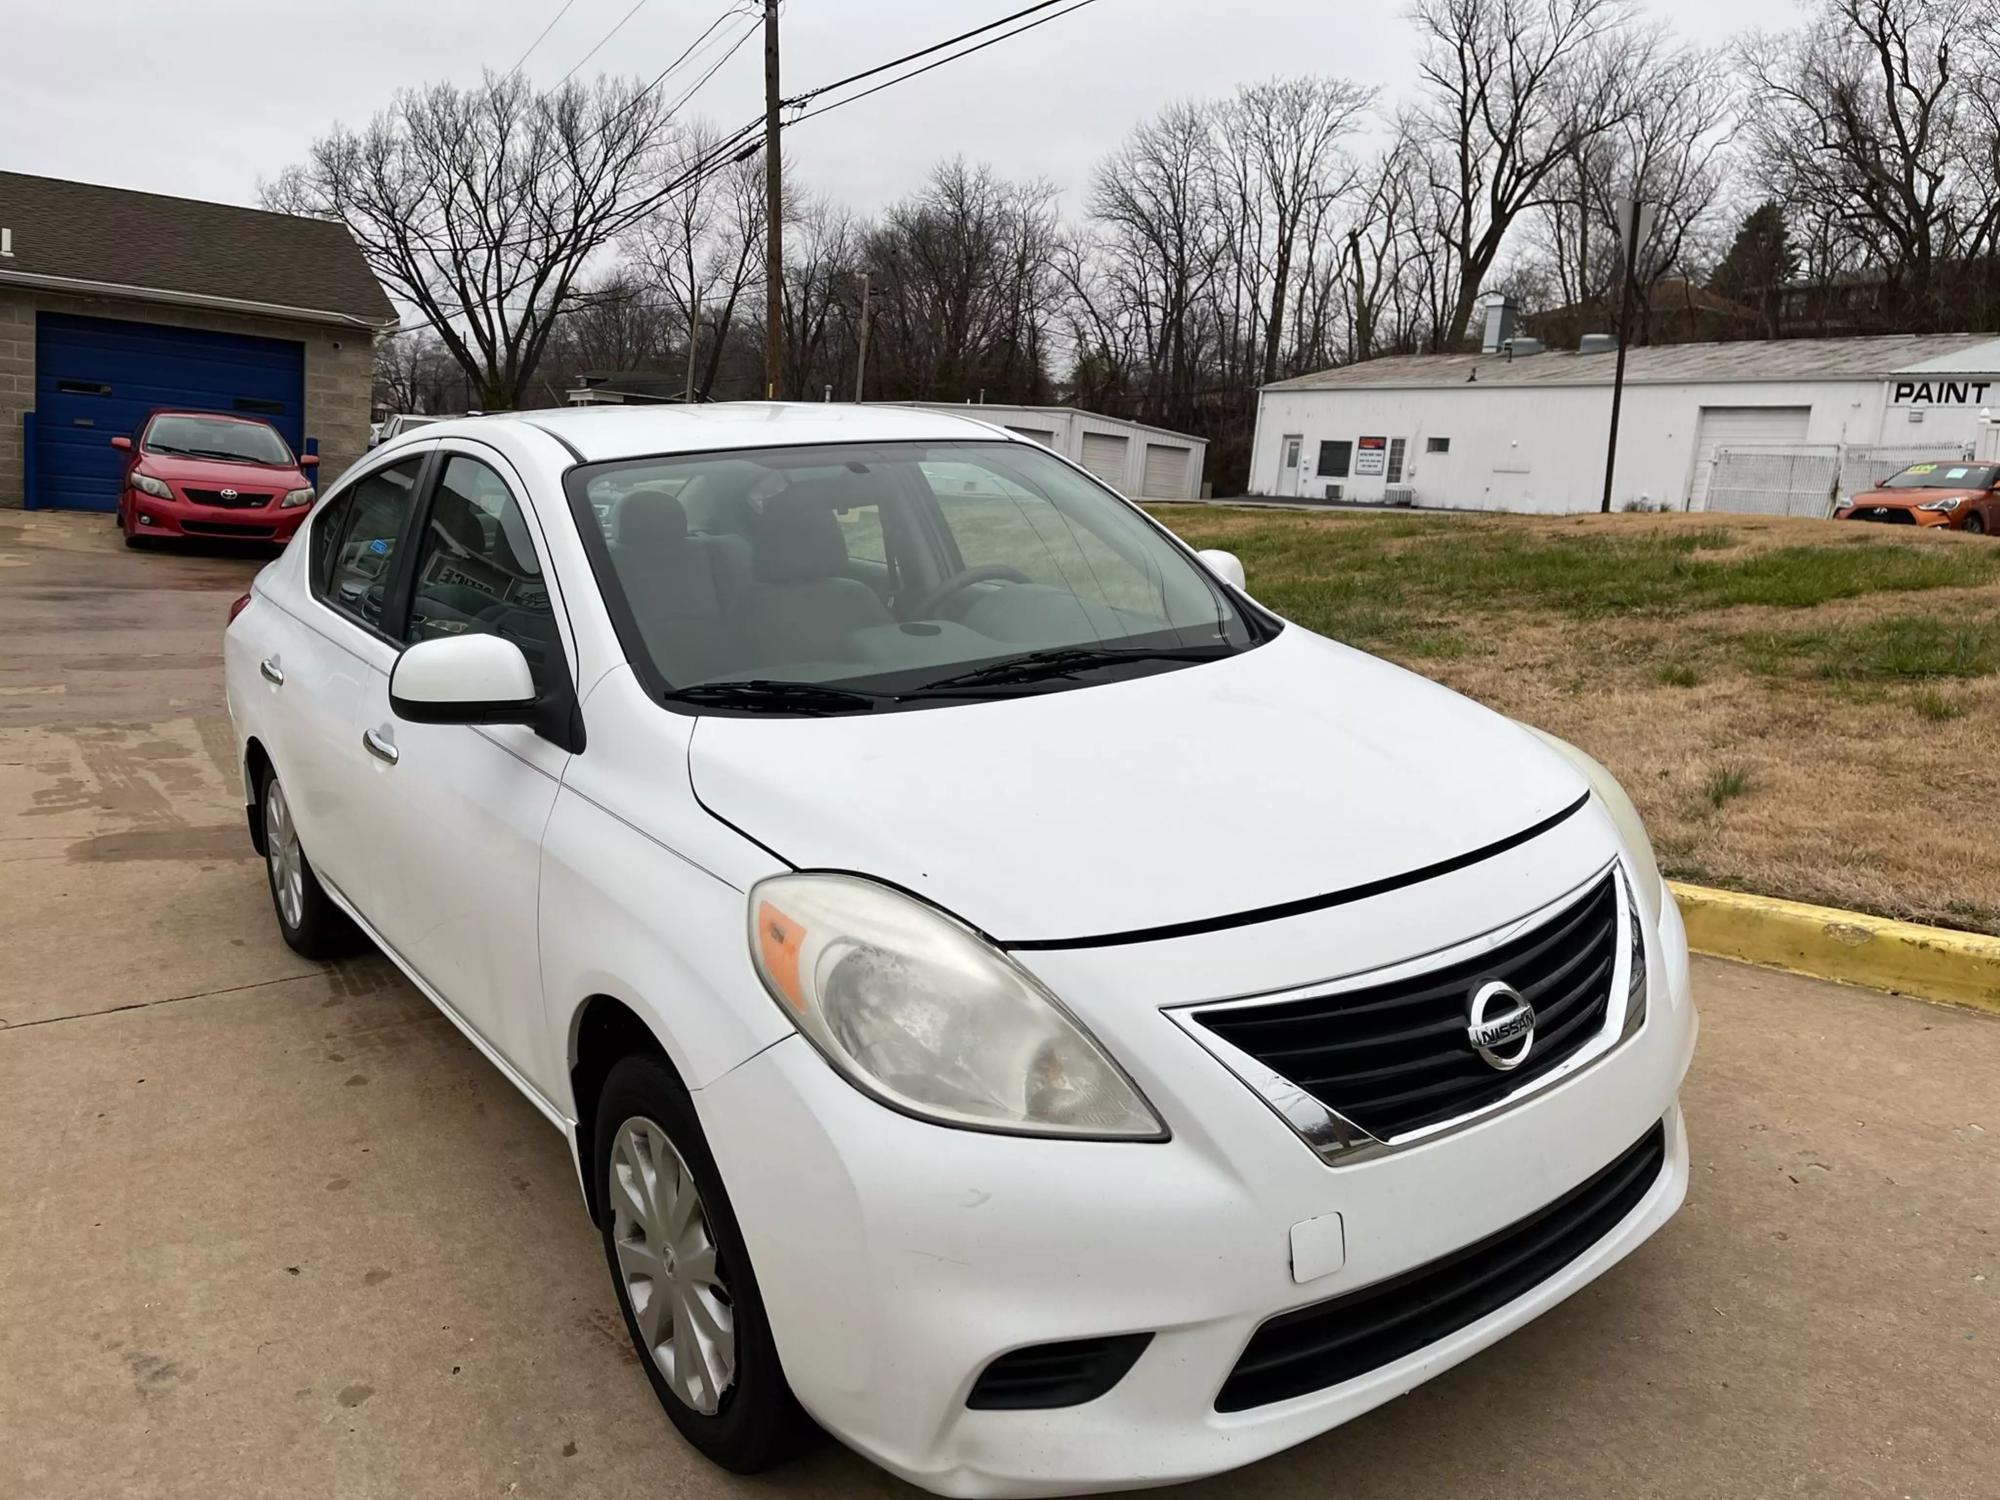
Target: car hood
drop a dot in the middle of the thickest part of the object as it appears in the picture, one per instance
(1908, 499)
(1290, 772)
(215, 474)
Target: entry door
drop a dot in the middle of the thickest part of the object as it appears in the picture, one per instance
(469, 803)
(1293, 445)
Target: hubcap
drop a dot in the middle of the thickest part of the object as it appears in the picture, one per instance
(281, 849)
(668, 1263)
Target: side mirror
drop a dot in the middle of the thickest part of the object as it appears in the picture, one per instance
(122, 444)
(463, 679)
(1224, 565)
(308, 460)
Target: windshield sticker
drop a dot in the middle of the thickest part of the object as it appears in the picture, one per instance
(1923, 468)
(1956, 473)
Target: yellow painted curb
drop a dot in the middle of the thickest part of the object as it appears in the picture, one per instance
(1933, 963)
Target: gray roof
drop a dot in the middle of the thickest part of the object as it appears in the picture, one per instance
(1875, 358)
(185, 249)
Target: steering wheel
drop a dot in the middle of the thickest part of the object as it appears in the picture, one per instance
(964, 579)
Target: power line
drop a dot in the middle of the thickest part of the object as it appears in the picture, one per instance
(538, 40)
(915, 72)
(827, 88)
(637, 6)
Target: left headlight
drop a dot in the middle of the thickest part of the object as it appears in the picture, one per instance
(298, 497)
(921, 1012)
(1947, 506)
(1652, 892)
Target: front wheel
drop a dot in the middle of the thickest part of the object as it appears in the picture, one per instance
(683, 1277)
(1975, 523)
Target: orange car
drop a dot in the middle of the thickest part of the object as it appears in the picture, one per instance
(1945, 493)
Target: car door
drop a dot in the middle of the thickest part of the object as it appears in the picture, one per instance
(325, 650)
(466, 805)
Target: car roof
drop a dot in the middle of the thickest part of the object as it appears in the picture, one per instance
(601, 433)
(195, 411)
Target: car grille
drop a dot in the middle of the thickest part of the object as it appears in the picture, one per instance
(1315, 1347)
(1893, 515)
(1395, 1057)
(224, 528)
(228, 499)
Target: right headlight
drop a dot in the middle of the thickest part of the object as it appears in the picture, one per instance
(919, 1011)
(146, 484)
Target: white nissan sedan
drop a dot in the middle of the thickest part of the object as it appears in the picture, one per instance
(1010, 996)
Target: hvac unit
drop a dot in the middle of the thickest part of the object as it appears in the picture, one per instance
(1334, 492)
(1399, 496)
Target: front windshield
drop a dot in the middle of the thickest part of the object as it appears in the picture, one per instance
(217, 437)
(845, 578)
(1942, 476)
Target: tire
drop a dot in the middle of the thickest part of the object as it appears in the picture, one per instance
(1975, 523)
(312, 926)
(734, 1404)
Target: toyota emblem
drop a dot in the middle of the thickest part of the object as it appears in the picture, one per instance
(228, 494)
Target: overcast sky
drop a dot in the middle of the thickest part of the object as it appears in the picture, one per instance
(202, 97)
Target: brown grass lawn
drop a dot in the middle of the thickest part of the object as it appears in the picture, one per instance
(1807, 709)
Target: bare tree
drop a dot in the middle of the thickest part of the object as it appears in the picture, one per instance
(1512, 90)
(482, 206)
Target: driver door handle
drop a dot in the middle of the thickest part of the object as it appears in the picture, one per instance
(271, 672)
(378, 747)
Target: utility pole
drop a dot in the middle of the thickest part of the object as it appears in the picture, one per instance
(861, 360)
(1635, 221)
(694, 331)
(774, 229)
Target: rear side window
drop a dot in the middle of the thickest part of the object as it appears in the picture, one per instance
(478, 571)
(354, 541)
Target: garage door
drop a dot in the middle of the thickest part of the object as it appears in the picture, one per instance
(96, 378)
(1045, 436)
(1740, 426)
(1104, 456)
(1166, 471)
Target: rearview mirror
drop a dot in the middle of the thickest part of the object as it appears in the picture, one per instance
(1224, 565)
(122, 444)
(463, 679)
(308, 460)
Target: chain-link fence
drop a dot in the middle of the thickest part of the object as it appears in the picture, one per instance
(1774, 481)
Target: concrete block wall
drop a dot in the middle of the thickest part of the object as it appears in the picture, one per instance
(339, 371)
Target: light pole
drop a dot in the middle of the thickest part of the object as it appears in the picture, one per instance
(1635, 227)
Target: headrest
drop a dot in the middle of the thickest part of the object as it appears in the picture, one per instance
(649, 517)
(451, 513)
(797, 537)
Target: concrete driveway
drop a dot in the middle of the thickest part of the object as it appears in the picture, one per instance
(268, 1227)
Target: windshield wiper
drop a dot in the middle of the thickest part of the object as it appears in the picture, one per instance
(233, 458)
(1064, 661)
(774, 696)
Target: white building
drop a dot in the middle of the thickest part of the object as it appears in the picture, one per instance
(1151, 463)
(1775, 427)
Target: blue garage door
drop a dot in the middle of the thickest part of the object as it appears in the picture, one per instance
(95, 379)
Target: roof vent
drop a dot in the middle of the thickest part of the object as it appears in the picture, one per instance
(1499, 325)
(1521, 348)
(1598, 343)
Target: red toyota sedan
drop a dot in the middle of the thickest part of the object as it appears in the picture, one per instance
(202, 474)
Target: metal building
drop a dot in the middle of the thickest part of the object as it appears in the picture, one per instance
(1779, 427)
(1150, 463)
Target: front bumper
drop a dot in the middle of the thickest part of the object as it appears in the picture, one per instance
(1895, 515)
(897, 1259)
(153, 517)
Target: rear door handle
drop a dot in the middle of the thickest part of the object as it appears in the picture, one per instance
(271, 672)
(378, 747)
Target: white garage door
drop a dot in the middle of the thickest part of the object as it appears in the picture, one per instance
(1166, 472)
(1104, 456)
(1742, 426)
(1040, 435)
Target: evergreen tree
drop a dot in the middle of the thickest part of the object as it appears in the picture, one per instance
(1758, 266)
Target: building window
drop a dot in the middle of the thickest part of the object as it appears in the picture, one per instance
(1334, 459)
(1437, 445)
(1396, 447)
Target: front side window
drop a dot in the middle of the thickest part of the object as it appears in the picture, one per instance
(216, 438)
(478, 572)
(894, 574)
(354, 540)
